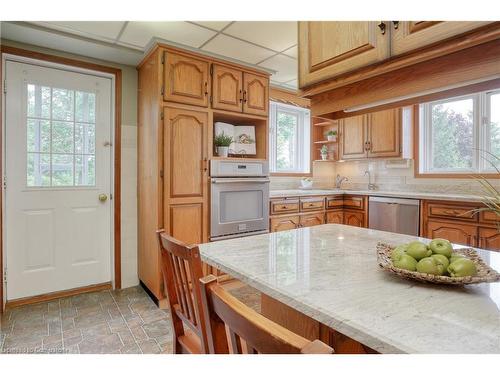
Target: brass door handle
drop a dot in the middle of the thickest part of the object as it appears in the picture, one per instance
(241, 97)
(103, 198)
(381, 26)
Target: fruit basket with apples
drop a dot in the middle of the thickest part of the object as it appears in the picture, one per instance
(436, 262)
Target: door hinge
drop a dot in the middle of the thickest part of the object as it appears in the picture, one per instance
(5, 182)
(5, 86)
(162, 91)
(212, 69)
(5, 276)
(163, 58)
(110, 196)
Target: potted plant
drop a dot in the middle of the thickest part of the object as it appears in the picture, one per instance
(324, 152)
(222, 143)
(491, 196)
(331, 135)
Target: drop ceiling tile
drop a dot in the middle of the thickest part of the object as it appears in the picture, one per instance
(285, 67)
(140, 33)
(236, 49)
(216, 25)
(105, 29)
(292, 52)
(275, 35)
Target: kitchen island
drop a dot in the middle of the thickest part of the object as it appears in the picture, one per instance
(329, 273)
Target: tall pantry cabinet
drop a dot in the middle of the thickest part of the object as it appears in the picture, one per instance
(181, 94)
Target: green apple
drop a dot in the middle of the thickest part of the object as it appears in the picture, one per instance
(441, 246)
(400, 249)
(455, 256)
(442, 260)
(418, 250)
(431, 266)
(404, 261)
(462, 267)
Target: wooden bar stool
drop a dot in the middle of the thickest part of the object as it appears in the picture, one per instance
(232, 327)
(181, 265)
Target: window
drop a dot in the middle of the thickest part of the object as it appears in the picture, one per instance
(460, 135)
(289, 140)
(60, 137)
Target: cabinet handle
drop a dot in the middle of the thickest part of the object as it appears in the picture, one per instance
(244, 96)
(206, 88)
(205, 164)
(241, 97)
(396, 24)
(369, 143)
(381, 26)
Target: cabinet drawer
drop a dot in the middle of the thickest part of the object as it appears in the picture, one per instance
(489, 217)
(335, 202)
(354, 202)
(284, 206)
(284, 223)
(312, 220)
(312, 204)
(455, 211)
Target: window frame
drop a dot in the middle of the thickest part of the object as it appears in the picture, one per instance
(481, 140)
(304, 128)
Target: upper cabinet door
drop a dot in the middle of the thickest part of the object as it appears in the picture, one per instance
(227, 88)
(353, 138)
(185, 154)
(384, 133)
(328, 49)
(255, 94)
(410, 35)
(186, 80)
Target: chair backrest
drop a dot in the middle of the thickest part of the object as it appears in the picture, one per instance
(181, 268)
(233, 327)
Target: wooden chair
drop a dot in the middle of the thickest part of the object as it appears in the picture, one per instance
(181, 265)
(232, 327)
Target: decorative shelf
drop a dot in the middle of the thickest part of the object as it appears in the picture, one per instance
(324, 142)
(325, 123)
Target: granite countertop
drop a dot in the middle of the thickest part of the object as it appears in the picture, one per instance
(379, 193)
(330, 273)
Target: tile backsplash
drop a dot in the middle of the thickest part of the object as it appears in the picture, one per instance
(387, 179)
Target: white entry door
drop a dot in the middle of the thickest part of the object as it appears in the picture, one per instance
(57, 179)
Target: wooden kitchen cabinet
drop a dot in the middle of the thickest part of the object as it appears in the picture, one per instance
(489, 238)
(255, 94)
(383, 133)
(375, 135)
(310, 220)
(279, 223)
(411, 35)
(354, 218)
(456, 232)
(353, 138)
(185, 181)
(331, 48)
(227, 88)
(185, 79)
(335, 217)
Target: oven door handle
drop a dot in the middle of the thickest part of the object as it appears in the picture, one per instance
(231, 180)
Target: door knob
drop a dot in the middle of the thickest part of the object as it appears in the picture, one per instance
(103, 197)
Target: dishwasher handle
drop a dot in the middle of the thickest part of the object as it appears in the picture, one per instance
(390, 200)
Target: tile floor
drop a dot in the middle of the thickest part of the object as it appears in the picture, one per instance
(121, 321)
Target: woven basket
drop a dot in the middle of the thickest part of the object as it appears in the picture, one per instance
(485, 274)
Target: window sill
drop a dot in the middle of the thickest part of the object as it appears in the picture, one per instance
(458, 175)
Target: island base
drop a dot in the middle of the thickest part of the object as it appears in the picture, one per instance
(309, 328)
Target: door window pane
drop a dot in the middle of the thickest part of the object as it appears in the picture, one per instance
(60, 137)
(452, 135)
(85, 170)
(38, 101)
(62, 104)
(38, 135)
(286, 141)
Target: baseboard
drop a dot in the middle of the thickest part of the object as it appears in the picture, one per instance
(55, 295)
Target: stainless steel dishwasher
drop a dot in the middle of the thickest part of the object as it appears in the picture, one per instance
(395, 215)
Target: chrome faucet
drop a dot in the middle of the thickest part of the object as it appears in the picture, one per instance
(339, 180)
(370, 185)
